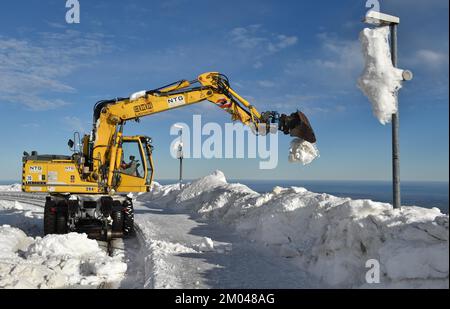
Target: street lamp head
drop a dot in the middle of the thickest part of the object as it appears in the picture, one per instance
(407, 75)
(380, 19)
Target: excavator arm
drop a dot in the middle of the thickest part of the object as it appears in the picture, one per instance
(110, 116)
(82, 188)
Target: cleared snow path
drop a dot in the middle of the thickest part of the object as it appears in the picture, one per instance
(188, 252)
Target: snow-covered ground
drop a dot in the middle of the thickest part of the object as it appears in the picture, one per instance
(213, 234)
(325, 237)
(11, 188)
(56, 261)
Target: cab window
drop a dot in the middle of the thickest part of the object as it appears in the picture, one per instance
(131, 163)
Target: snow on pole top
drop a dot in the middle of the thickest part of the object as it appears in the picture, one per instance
(380, 80)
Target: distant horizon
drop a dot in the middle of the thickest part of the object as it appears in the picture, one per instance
(12, 181)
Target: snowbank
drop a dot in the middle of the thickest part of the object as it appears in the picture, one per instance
(380, 80)
(54, 261)
(14, 187)
(330, 237)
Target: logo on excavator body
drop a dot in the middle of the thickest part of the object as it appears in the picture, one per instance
(35, 169)
(176, 101)
(143, 107)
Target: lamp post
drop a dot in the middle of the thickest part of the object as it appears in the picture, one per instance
(381, 19)
(180, 154)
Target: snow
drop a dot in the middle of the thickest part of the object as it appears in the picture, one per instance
(55, 261)
(302, 151)
(177, 253)
(380, 81)
(206, 245)
(14, 187)
(215, 234)
(331, 238)
(138, 95)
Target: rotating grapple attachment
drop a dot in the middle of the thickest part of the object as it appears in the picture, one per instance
(298, 125)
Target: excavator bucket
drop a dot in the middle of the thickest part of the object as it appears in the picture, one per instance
(298, 125)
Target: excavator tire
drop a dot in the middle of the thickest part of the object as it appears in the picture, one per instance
(61, 219)
(49, 218)
(118, 217)
(128, 219)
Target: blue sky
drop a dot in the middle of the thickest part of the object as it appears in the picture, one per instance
(281, 55)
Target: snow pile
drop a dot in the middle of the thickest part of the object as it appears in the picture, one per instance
(54, 261)
(330, 237)
(380, 80)
(302, 151)
(14, 187)
(12, 240)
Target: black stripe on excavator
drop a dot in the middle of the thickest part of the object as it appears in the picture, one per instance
(166, 86)
(185, 90)
(23, 175)
(100, 104)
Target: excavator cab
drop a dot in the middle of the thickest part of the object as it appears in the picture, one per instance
(134, 168)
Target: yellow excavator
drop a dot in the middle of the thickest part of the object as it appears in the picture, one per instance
(89, 191)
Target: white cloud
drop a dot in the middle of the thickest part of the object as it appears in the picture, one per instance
(337, 64)
(33, 102)
(255, 38)
(73, 123)
(257, 65)
(31, 125)
(258, 43)
(430, 58)
(32, 70)
(310, 104)
(266, 83)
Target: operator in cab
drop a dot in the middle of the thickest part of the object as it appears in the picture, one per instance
(131, 167)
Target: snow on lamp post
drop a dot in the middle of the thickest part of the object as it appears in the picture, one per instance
(381, 81)
(180, 153)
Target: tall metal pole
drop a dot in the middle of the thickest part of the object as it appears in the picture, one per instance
(395, 131)
(180, 154)
(181, 172)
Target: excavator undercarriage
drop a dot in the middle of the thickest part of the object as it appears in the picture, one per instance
(100, 217)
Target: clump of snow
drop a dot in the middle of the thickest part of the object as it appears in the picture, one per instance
(12, 240)
(302, 151)
(380, 81)
(137, 95)
(14, 187)
(330, 237)
(206, 245)
(54, 261)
